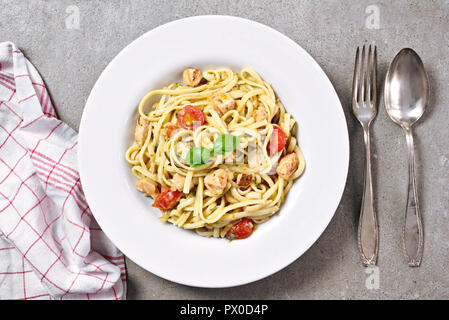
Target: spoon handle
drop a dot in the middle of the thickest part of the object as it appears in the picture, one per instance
(368, 231)
(412, 235)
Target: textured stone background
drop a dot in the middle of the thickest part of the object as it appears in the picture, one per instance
(70, 61)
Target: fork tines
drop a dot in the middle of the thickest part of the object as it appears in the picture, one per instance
(364, 81)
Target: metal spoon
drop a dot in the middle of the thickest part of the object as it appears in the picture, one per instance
(406, 95)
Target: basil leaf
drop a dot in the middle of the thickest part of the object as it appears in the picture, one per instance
(198, 156)
(226, 143)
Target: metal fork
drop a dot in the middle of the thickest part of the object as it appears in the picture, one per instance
(364, 107)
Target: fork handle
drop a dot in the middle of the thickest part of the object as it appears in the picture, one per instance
(412, 235)
(368, 231)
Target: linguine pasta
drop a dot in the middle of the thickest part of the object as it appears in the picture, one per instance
(218, 153)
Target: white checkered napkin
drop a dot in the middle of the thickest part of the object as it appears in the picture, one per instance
(50, 245)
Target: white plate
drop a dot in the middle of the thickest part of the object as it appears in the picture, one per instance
(158, 58)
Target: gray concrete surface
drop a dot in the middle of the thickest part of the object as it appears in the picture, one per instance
(71, 59)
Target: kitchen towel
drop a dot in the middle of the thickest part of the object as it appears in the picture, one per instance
(50, 244)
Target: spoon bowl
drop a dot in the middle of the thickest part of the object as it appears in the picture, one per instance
(406, 91)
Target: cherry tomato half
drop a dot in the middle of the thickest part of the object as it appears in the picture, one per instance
(245, 180)
(167, 199)
(242, 229)
(277, 141)
(190, 117)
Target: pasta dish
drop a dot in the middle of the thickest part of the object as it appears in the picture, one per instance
(217, 153)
